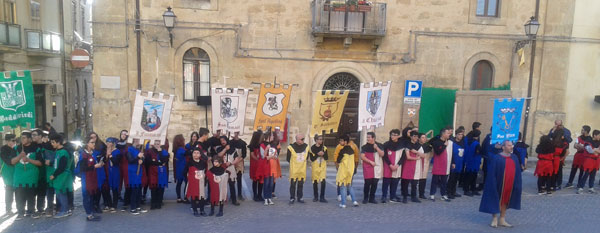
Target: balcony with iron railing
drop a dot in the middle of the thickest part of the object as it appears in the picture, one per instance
(42, 43)
(10, 37)
(348, 19)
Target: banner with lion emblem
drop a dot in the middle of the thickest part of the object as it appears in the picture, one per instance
(272, 106)
(229, 109)
(17, 107)
(150, 118)
(327, 111)
(373, 104)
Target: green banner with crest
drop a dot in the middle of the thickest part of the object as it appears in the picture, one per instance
(17, 106)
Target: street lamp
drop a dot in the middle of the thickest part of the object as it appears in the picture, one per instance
(169, 20)
(531, 27)
(531, 30)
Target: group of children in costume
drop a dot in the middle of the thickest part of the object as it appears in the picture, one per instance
(552, 151)
(208, 168)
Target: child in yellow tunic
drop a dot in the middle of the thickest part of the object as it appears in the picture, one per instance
(345, 161)
(296, 156)
(318, 158)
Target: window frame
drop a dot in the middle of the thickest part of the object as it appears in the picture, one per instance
(198, 84)
(10, 12)
(486, 4)
(478, 79)
(35, 13)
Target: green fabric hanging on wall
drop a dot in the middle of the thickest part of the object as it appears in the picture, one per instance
(437, 109)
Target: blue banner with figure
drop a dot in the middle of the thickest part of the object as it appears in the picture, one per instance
(507, 120)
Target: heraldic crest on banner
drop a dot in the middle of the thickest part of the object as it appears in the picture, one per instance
(229, 109)
(17, 107)
(373, 104)
(506, 120)
(327, 112)
(273, 101)
(150, 118)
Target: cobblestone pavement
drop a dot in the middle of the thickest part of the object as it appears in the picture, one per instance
(564, 211)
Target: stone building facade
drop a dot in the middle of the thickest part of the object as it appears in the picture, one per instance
(39, 35)
(445, 43)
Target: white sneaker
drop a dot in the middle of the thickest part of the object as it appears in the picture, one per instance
(432, 197)
(339, 197)
(271, 202)
(355, 203)
(445, 198)
(579, 191)
(266, 202)
(342, 206)
(591, 190)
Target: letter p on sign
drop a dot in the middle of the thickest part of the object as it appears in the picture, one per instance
(413, 88)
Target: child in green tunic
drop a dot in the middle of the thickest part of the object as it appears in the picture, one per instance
(26, 176)
(61, 179)
(7, 169)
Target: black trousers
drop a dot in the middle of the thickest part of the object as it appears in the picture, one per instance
(103, 193)
(316, 189)
(178, 188)
(156, 195)
(573, 172)
(232, 194)
(452, 182)
(71, 199)
(257, 189)
(127, 197)
(370, 188)
(544, 182)
(115, 197)
(559, 176)
(413, 188)
(586, 174)
(441, 181)
(422, 184)
(470, 183)
(392, 185)
(25, 196)
(239, 183)
(40, 195)
(296, 188)
(198, 204)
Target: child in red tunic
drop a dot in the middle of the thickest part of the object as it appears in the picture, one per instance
(195, 171)
(217, 179)
(545, 167)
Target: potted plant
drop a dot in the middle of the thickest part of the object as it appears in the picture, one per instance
(352, 5)
(338, 5)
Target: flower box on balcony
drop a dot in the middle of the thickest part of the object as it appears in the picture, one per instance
(364, 8)
(339, 8)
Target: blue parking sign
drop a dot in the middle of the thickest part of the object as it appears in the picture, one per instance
(413, 88)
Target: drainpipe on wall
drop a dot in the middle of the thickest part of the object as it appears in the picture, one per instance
(138, 44)
(64, 69)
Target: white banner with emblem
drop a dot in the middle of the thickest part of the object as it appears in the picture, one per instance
(373, 104)
(229, 109)
(150, 118)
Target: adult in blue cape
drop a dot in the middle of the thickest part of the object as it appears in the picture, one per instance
(502, 188)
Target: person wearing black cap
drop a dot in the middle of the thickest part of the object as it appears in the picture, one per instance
(7, 153)
(26, 176)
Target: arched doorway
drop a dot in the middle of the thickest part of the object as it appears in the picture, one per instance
(349, 121)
